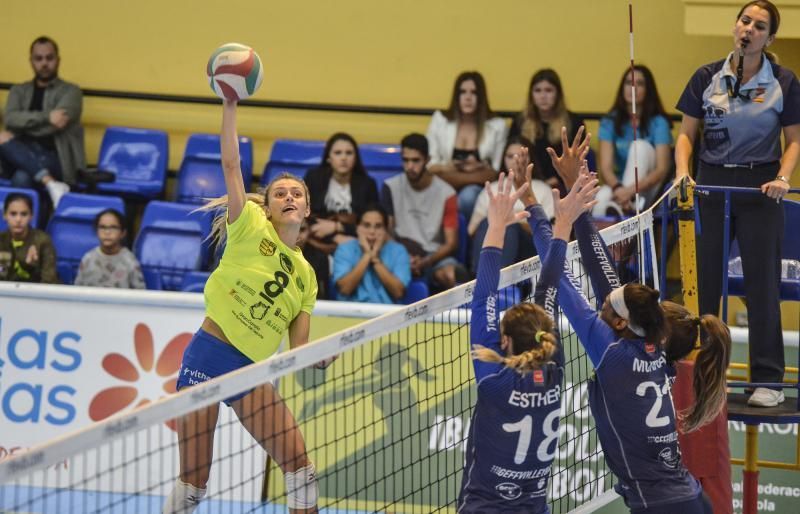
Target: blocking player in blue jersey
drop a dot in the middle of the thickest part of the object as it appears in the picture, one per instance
(629, 393)
(685, 329)
(519, 370)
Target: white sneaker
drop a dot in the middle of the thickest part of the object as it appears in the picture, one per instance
(56, 190)
(763, 397)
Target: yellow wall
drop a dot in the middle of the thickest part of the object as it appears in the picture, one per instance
(393, 53)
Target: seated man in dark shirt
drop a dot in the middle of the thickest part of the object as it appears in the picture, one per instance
(42, 143)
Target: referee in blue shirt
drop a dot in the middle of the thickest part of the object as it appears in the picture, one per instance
(744, 101)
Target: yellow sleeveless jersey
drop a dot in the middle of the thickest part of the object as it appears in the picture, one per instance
(259, 286)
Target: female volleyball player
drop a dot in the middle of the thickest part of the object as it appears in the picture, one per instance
(519, 370)
(629, 393)
(685, 329)
(262, 288)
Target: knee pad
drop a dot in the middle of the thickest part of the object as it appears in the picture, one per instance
(301, 488)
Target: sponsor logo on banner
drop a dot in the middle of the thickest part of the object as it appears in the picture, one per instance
(38, 353)
(147, 368)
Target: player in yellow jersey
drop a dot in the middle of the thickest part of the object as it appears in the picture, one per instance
(262, 288)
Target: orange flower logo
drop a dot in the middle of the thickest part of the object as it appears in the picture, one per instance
(144, 385)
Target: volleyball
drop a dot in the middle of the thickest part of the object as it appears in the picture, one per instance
(234, 71)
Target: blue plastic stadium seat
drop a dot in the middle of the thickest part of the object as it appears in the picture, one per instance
(5, 191)
(152, 279)
(381, 161)
(379, 157)
(139, 159)
(293, 156)
(171, 241)
(195, 281)
(72, 229)
(417, 290)
(790, 288)
(200, 176)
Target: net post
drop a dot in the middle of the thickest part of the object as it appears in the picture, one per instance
(688, 250)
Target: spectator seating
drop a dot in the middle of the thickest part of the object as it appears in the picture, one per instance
(5, 191)
(72, 229)
(293, 156)
(171, 241)
(138, 158)
(195, 281)
(200, 176)
(381, 161)
(417, 290)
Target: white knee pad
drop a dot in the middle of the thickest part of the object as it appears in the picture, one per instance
(183, 499)
(301, 488)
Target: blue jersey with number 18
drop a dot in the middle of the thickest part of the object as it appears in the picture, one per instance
(513, 436)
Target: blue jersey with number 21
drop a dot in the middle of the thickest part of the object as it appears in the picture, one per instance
(629, 392)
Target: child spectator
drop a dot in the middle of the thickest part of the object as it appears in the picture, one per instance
(110, 264)
(26, 254)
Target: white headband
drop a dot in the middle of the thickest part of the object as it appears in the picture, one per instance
(617, 300)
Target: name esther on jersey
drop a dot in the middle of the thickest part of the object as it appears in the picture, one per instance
(536, 399)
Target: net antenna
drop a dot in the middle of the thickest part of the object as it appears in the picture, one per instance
(634, 126)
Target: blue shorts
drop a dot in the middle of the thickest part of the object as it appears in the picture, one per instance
(207, 357)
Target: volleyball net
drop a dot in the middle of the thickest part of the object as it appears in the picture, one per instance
(385, 425)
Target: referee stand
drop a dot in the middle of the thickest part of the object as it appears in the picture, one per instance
(707, 452)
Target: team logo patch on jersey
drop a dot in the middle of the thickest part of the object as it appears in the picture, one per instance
(538, 376)
(300, 284)
(650, 347)
(259, 310)
(267, 247)
(286, 263)
(508, 490)
(668, 458)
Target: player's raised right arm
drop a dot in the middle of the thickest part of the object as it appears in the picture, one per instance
(231, 167)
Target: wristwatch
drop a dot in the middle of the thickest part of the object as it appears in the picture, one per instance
(782, 179)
